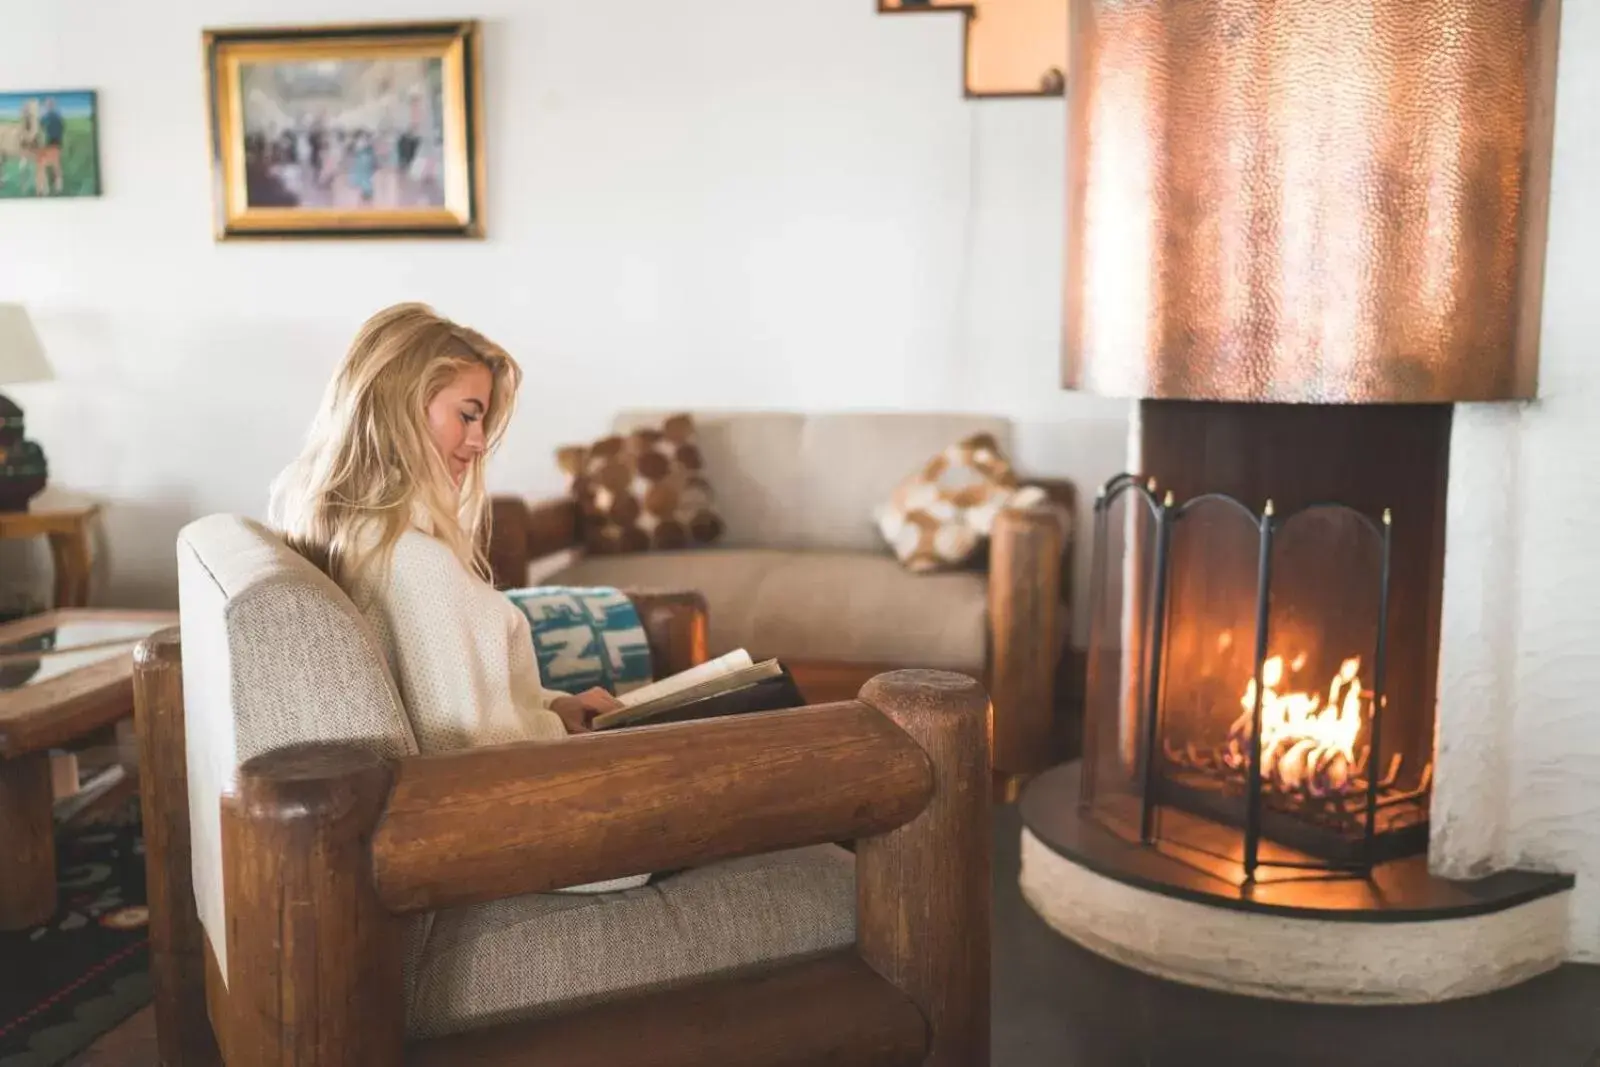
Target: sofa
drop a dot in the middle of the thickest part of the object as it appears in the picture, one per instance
(322, 894)
(801, 572)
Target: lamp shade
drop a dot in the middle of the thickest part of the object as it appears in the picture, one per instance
(22, 357)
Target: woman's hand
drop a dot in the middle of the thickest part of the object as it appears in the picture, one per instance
(578, 712)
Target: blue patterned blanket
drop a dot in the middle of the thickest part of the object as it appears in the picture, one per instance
(586, 637)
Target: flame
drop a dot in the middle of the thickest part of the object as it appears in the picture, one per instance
(1306, 745)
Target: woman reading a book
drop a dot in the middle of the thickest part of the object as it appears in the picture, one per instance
(388, 498)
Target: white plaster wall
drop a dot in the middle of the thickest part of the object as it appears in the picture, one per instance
(1519, 715)
(754, 203)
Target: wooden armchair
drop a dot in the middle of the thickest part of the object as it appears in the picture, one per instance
(331, 851)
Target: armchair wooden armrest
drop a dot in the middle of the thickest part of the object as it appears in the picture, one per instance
(1028, 570)
(521, 532)
(480, 824)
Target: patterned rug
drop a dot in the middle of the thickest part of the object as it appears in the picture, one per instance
(64, 984)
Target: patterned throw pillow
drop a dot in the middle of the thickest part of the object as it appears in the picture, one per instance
(586, 637)
(941, 516)
(642, 491)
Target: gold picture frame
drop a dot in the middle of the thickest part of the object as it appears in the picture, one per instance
(371, 130)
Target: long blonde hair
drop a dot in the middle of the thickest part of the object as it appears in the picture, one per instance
(369, 468)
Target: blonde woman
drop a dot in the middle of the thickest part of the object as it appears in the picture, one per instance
(388, 499)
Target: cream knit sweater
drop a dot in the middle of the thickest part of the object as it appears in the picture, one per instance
(460, 652)
(462, 657)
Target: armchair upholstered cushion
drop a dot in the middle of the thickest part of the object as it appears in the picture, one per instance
(534, 955)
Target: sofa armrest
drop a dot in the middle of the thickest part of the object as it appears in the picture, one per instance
(328, 846)
(1027, 557)
(1063, 497)
(521, 532)
(675, 625)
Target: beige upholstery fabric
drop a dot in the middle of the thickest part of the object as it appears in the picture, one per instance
(273, 654)
(786, 480)
(843, 606)
(535, 955)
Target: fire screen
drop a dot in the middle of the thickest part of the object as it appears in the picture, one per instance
(1235, 704)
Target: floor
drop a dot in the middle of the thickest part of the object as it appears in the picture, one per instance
(1056, 1005)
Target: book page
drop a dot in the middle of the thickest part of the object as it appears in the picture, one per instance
(721, 667)
(709, 688)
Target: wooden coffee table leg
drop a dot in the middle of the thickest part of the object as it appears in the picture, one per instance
(27, 842)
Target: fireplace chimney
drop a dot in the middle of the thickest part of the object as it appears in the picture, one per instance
(1308, 200)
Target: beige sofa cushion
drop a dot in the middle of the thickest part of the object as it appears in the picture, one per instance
(536, 955)
(854, 607)
(788, 480)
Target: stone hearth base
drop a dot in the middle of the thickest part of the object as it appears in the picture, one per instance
(1457, 940)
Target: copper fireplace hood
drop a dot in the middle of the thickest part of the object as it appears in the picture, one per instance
(1329, 201)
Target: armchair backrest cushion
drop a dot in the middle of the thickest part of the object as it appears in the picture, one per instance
(794, 480)
(274, 654)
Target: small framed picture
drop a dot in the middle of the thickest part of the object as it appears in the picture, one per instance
(49, 144)
(369, 130)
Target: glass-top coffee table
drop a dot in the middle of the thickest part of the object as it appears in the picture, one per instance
(63, 674)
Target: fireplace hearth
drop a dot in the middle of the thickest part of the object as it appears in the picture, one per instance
(1252, 809)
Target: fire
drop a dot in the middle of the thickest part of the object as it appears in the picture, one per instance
(1307, 745)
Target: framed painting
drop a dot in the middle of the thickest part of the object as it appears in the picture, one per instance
(369, 130)
(49, 144)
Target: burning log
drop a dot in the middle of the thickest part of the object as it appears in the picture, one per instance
(1307, 747)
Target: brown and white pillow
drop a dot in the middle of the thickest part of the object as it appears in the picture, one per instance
(642, 491)
(940, 517)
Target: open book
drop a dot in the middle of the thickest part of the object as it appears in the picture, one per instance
(728, 685)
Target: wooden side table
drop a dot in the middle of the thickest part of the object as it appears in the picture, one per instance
(68, 527)
(63, 674)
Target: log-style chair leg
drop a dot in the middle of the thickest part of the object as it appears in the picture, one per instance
(314, 962)
(922, 890)
(184, 1037)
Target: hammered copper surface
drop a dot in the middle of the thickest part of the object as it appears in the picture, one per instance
(1308, 200)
